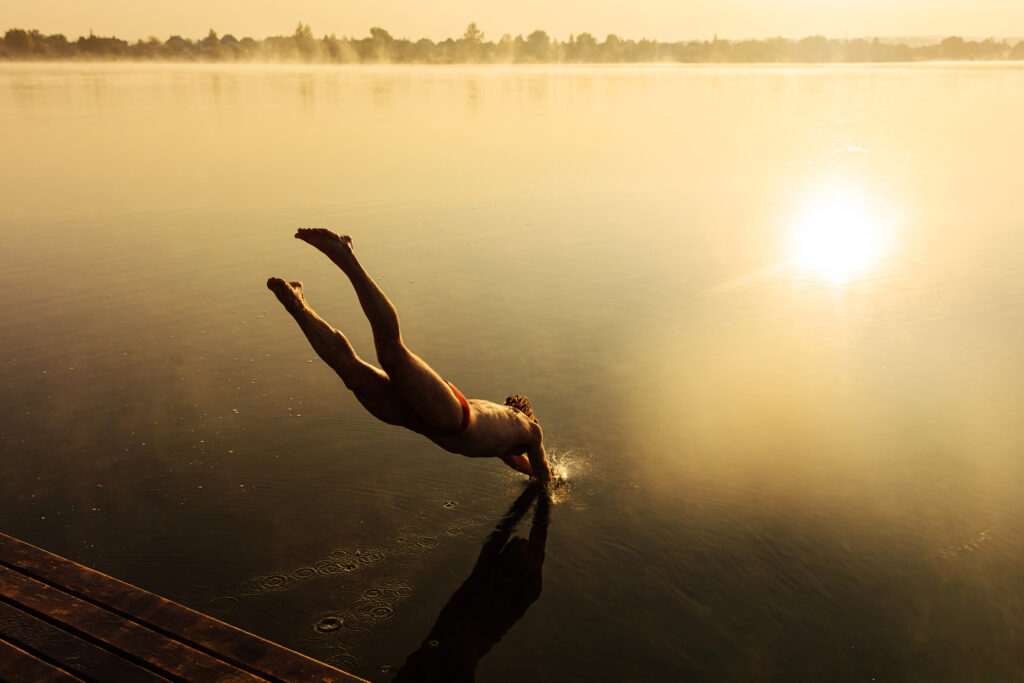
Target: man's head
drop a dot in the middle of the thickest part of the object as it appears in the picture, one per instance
(522, 404)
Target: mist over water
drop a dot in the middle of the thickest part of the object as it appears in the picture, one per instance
(768, 317)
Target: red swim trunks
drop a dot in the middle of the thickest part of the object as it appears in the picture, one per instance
(467, 416)
(421, 426)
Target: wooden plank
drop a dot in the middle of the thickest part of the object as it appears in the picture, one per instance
(244, 650)
(60, 648)
(135, 642)
(18, 666)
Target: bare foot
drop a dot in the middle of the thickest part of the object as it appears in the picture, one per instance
(333, 245)
(288, 293)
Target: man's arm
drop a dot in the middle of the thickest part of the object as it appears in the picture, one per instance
(519, 463)
(535, 453)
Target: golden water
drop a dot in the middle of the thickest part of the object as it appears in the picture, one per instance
(770, 319)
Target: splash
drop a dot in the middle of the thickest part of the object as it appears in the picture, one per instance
(571, 470)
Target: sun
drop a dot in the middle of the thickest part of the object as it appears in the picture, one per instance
(838, 237)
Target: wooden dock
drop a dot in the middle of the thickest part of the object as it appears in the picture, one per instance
(60, 621)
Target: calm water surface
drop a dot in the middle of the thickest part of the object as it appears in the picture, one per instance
(770, 319)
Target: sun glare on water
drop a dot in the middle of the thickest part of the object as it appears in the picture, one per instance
(838, 237)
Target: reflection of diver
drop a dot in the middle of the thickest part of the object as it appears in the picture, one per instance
(504, 583)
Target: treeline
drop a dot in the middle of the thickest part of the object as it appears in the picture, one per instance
(472, 48)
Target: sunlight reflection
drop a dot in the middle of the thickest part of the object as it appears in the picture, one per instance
(838, 235)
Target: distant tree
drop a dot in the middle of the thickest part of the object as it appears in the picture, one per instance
(248, 48)
(645, 51)
(447, 52)
(305, 44)
(402, 50)
(990, 49)
(875, 53)
(471, 46)
(380, 35)
(538, 45)
(953, 47)
(750, 51)
(901, 52)
(611, 49)
(504, 49)
(584, 48)
(18, 41)
(151, 48)
(177, 46)
(338, 51)
(280, 48)
(380, 43)
(34, 45)
(856, 50)
(813, 49)
(102, 48)
(473, 34)
(57, 45)
(423, 50)
(230, 43)
(209, 47)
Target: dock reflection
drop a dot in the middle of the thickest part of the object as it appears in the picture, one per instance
(505, 581)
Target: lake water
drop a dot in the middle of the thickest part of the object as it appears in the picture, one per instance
(771, 320)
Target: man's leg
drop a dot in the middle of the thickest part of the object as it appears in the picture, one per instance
(421, 388)
(371, 386)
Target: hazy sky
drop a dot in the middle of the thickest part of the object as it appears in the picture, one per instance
(438, 19)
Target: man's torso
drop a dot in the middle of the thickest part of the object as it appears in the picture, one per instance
(493, 431)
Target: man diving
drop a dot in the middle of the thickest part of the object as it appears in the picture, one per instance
(405, 391)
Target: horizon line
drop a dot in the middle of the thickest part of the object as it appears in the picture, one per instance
(715, 36)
